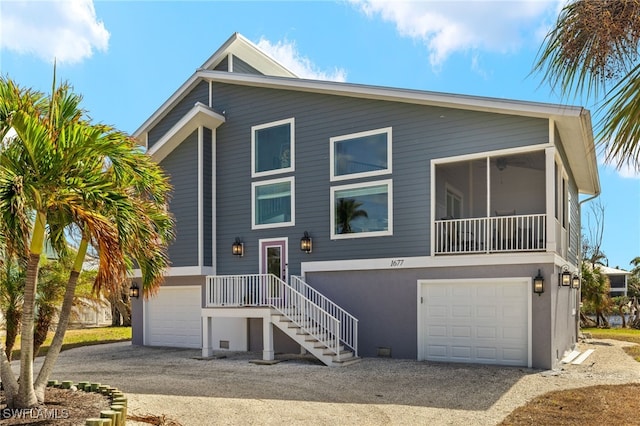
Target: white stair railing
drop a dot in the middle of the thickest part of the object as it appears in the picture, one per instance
(348, 323)
(269, 290)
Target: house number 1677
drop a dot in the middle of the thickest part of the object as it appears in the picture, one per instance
(396, 262)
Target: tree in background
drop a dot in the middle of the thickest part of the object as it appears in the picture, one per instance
(593, 51)
(60, 174)
(595, 294)
(11, 290)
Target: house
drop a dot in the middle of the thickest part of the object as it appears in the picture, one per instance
(353, 220)
(618, 285)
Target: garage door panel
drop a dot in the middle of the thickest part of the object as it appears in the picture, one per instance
(489, 326)
(172, 318)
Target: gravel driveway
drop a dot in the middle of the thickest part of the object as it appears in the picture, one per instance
(376, 391)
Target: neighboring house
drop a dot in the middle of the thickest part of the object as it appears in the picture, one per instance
(428, 217)
(617, 280)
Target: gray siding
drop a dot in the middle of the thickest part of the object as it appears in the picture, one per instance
(223, 65)
(384, 301)
(420, 133)
(199, 94)
(241, 66)
(182, 167)
(207, 198)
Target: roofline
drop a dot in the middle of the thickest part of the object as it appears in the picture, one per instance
(449, 100)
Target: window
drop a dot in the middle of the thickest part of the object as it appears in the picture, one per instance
(273, 203)
(362, 210)
(272, 148)
(361, 154)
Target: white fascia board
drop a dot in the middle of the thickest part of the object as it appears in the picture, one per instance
(199, 115)
(182, 91)
(429, 262)
(243, 48)
(182, 271)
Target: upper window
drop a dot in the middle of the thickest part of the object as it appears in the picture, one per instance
(361, 154)
(272, 148)
(362, 210)
(273, 203)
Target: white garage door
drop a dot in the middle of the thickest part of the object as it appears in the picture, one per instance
(172, 318)
(475, 321)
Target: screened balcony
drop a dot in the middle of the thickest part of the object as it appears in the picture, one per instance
(491, 205)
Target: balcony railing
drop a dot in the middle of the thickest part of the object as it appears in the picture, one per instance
(518, 233)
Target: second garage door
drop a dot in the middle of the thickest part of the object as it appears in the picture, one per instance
(172, 318)
(477, 321)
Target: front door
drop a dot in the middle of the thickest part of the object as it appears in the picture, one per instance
(273, 257)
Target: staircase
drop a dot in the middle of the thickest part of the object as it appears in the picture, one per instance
(316, 323)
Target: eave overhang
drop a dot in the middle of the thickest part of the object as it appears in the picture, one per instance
(199, 115)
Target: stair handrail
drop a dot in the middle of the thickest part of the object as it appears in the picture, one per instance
(269, 290)
(349, 323)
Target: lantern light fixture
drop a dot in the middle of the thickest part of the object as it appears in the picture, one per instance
(134, 291)
(575, 282)
(237, 248)
(306, 243)
(538, 284)
(564, 278)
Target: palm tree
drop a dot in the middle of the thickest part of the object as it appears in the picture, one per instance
(62, 173)
(593, 50)
(595, 292)
(347, 210)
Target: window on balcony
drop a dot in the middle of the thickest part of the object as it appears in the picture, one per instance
(362, 210)
(361, 154)
(272, 148)
(273, 203)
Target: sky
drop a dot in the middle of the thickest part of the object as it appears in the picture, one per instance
(126, 58)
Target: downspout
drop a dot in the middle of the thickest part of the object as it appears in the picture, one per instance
(579, 295)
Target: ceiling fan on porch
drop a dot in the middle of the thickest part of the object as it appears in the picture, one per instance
(526, 161)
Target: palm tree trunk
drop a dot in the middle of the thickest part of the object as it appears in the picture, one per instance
(63, 322)
(9, 382)
(26, 394)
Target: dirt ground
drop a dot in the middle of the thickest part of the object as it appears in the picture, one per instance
(179, 385)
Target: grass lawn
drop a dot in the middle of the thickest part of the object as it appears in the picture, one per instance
(82, 337)
(593, 405)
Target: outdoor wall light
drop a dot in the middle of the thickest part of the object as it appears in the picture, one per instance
(134, 291)
(538, 284)
(564, 279)
(306, 243)
(575, 282)
(237, 248)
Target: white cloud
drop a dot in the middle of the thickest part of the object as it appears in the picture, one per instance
(65, 30)
(625, 171)
(446, 27)
(287, 54)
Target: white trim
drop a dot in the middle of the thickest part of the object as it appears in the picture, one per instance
(210, 94)
(180, 271)
(197, 116)
(230, 62)
(286, 253)
(200, 196)
(332, 206)
(292, 222)
(418, 262)
(332, 149)
(292, 149)
(450, 189)
(527, 281)
(490, 154)
(214, 206)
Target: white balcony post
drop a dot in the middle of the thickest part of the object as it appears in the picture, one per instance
(207, 350)
(268, 353)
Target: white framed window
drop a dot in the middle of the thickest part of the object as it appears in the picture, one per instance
(273, 148)
(362, 210)
(361, 154)
(273, 203)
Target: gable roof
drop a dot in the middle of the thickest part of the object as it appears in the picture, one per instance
(573, 122)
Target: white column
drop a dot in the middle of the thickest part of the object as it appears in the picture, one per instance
(207, 350)
(268, 353)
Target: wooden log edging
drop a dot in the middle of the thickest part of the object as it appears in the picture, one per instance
(116, 415)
